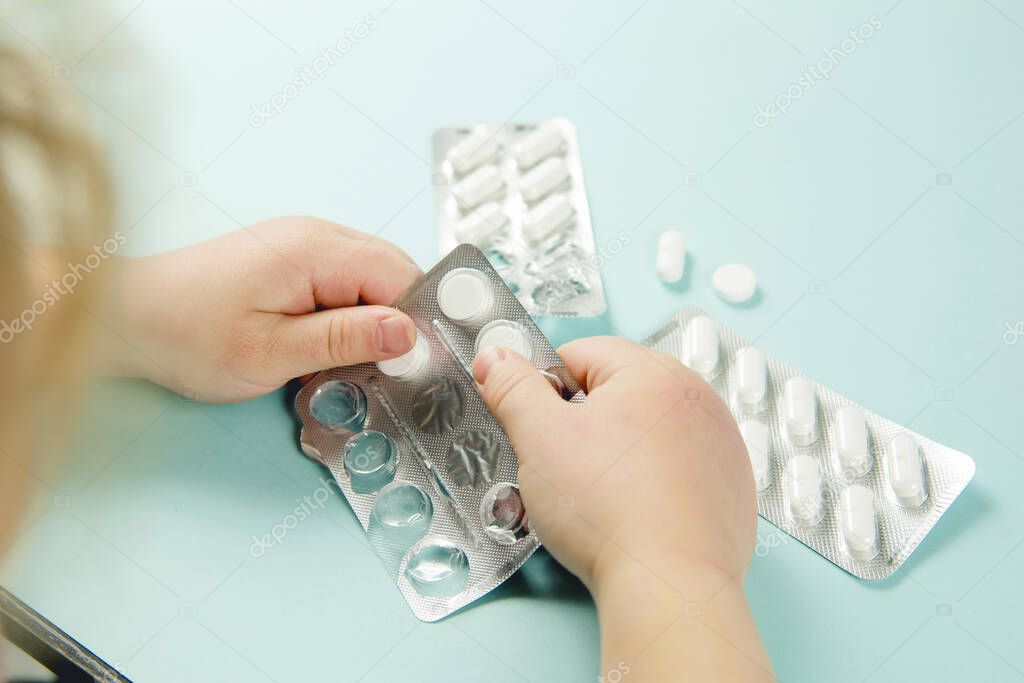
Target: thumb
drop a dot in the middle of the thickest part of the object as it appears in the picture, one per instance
(517, 394)
(341, 336)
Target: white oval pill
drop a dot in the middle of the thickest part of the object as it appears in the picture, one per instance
(465, 295)
(671, 260)
(552, 214)
(505, 333)
(541, 180)
(700, 348)
(734, 282)
(800, 411)
(755, 436)
(481, 225)
(751, 379)
(411, 363)
(541, 143)
(857, 522)
(477, 148)
(802, 488)
(850, 441)
(478, 186)
(906, 471)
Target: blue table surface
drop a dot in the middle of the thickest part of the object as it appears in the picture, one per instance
(882, 212)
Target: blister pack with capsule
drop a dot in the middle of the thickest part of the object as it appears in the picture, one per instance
(516, 191)
(427, 469)
(858, 489)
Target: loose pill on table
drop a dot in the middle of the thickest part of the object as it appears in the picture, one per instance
(906, 471)
(475, 149)
(755, 436)
(800, 411)
(802, 487)
(539, 144)
(481, 225)
(671, 261)
(552, 214)
(850, 441)
(734, 283)
(478, 186)
(411, 363)
(701, 347)
(543, 179)
(465, 295)
(751, 379)
(857, 522)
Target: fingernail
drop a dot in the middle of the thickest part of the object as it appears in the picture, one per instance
(486, 360)
(393, 335)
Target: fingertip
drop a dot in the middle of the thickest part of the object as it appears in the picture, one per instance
(486, 360)
(395, 334)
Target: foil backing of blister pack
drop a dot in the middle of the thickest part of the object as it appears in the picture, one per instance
(900, 529)
(556, 275)
(394, 408)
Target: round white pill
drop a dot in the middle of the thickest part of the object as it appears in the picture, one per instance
(671, 260)
(505, 333)
(734, 282)
(465, 295)
(409, 364)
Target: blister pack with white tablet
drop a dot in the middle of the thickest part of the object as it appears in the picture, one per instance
(427, 469)
(858, 489)
(516, 191)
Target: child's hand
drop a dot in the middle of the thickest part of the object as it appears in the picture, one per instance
(645, 492)
(240, 315)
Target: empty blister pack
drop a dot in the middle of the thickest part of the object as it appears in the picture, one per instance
(427, 469)
(516, 191)
(858, 489)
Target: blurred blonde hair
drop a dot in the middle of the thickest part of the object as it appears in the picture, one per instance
(54, 190)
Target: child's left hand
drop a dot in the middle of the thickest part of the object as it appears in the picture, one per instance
(240, 315)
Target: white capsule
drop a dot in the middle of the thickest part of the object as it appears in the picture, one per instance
(410, 364)
(549, 216)
(751, 380)
(700, 347)
(541, 143)
(850, 441)
(465, 296)
(482, 225)
(800, 411)
(734, 283)
(906, 471)
(478, 186)
(671, 260)
(802, 487)
(755, 436)
(475, 149)
(857, 522)
(543, 179)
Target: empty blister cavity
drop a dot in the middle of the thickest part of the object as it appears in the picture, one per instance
(503, 515)
(554, 213)
(505, 333)
(548, 176)
(410, 364)
(906, 471)
(750, 380)
(482, 225)
(475, 149)
(438, 406)
(465, 296)
(339, 406)
(802, 484)
(756, 437)
(734, 283)
(371, 459)
(473, 458)
(800, 411)
(479, 186)
(857, 522)
(671, 259)
(402, 511)
(701, 347)
(851, 442)
(539, 144)
(437, 568)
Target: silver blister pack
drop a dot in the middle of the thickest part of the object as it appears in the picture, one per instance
(856, 488)
(516, 191)
(426, 468)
